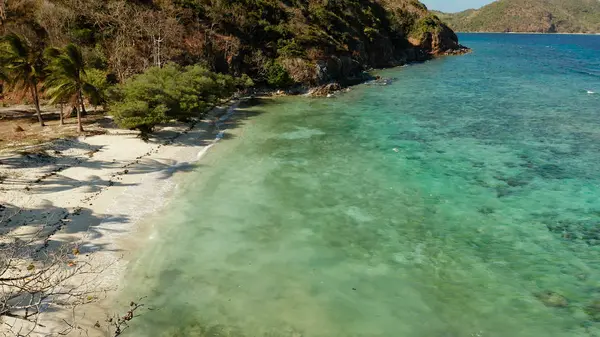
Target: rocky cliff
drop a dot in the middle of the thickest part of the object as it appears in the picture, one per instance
(368, 34)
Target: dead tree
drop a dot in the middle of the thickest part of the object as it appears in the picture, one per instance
(156, 42)
(164, 32)
(2, 11)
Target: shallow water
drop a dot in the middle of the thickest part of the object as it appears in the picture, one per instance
(463, 199)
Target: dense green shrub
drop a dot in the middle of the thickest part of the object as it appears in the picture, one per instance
(246, 81)
(371, 33)
(170, 93)
(83, 35)
(101, 80)
(277, 76)
(290, 48)
(427, 24)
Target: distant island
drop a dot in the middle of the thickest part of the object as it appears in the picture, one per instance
(535, 16)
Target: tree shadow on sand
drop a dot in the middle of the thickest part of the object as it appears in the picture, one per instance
(166, 168)
(204, 132)
(48, 226)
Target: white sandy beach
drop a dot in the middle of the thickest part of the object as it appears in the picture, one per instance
(93, 191)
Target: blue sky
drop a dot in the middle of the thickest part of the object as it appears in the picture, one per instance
(454, 5)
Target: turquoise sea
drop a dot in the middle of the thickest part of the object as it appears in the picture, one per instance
(460, 200)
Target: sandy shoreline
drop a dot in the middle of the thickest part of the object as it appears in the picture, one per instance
(94, 191)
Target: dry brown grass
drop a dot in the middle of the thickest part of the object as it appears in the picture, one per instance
(19, 127)
(301, 70)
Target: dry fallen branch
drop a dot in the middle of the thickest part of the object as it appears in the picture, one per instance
(34, 280)
(120, 323)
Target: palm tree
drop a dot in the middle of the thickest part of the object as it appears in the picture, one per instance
(23, 66)
(3, 78)
(66, 80)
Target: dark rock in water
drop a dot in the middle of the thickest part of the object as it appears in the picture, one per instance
(459, 51)
(527, 164)
(553, 299)
(573, 230)
(380, 81)
(513, 182)
(551, 171)
(502, 192)
(517, 181)
(593, 310)
(481, 182)
(486, 210)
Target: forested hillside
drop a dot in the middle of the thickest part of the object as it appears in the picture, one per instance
(540, 16)
(275, 42)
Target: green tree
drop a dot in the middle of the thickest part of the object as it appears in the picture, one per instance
(277, 76)
(146, 100)
(67, 80)
(100, 80)
(170, 93)
(22, 66)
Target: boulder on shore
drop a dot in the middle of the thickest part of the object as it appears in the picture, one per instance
(326, 89)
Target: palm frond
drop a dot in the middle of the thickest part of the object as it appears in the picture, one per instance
(21, 65)
(65, 67)
(75, 57)
(92, 93)
(66, 76)
(18, 45)
(62, 93)
(52, 52)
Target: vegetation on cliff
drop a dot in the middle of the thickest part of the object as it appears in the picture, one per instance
(540, 16)
(273, 43)
(261, 38)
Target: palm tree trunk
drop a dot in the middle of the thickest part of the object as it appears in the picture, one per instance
(79, 126)
(83, 112)
(36, 102)
(62, 116)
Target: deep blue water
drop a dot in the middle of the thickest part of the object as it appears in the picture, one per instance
(461, 200)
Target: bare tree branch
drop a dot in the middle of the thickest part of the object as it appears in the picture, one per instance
(121, 323)
(34, 278)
